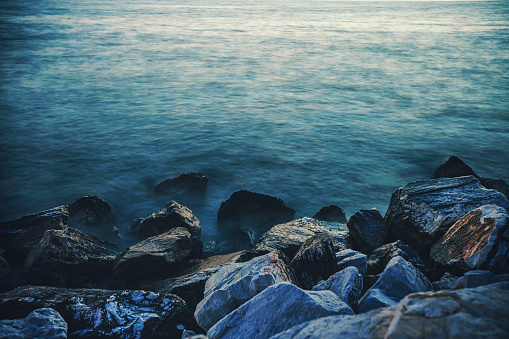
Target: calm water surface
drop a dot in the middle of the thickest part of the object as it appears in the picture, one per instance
(315, 102)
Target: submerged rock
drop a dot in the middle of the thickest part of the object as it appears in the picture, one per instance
(331, 213)
(192, 182)
(41, 323)
(368, 230)
(346, 284)
(91, 211)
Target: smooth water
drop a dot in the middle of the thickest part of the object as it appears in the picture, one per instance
(315, 102)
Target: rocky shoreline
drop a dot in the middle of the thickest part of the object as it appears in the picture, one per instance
(436, 264)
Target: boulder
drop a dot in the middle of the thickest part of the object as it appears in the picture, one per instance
(315, 260)
(154, 255)
(97, 313)
(331, 213)
(368, 230)
(399, 279)
(235, 284)
(5, 275)
(381, 256)
(287, 306)
(482, 278)
(421, 212)
(253, 210)
(478, 241)
(41, 323)
(91, 211)
(189, 182)
(496, 184)
(346, 284)
(347, 258)
(453, 167)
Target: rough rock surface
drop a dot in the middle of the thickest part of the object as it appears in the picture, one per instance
(95, 313)
(154, 255)
(368, 230)
(381, 256)
(421, 212)
(315, 260)
(482, 278)
(41, 323)
(5, 275)
(331, 213)
(187, 182)
(287, 306)
(235, 284)
(478, 241)
(453, 167)
(347, 258)
(92, 211)
(346, 284)
(399, 279)
(245, 239)
(496, 184)
(468, 313)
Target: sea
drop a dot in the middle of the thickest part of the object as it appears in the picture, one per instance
(316, 102)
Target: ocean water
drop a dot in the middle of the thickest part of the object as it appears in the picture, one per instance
(315, 102)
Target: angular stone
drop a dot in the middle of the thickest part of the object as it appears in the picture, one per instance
(453, 167)
(154, 255)
(482, 278)
(187, 182)
(421, 212)
(235, 284)
(315, 260)
(368, 229)
(347, 258)
(41, 323)
(91, 211)
(381, 256)
(70, 258)
(447, 282)
(399, 279)
(287, 306)
(331, 213)
(478, 241)
(346, 284)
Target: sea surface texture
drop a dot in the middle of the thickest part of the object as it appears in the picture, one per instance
(315, 102)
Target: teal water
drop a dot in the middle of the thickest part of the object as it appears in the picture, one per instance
(315, 102)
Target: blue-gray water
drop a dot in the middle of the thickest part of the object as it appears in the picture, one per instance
(315, 102)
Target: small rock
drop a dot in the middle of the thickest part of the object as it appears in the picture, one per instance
(482, 278)
(381, 256)
(41, 323)
(453, 167)
(368, 229)
(331, 213)
(347, 258)
(447, 282)
(346, 284)
(188, 182)
(91, 211)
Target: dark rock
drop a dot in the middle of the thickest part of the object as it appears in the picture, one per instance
(421, 212)
(315, 260)
(287, 306)
(41, 323)
(447, 282)
(380, 257)
(187, 182)
(331, 213)
(368, 281)
(70, 258)
(253, 210)
(496, 184)
(5, 275)
(347, 258)
(97, 313)
(213, 247)
(154, 255)
(346, 284)
(483, 278)
(368, 229)
(91, 211)
(478, 241)
(245, 239)
(453, 167)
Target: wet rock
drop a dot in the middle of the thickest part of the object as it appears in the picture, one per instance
(453, 167)
(478, 241)
(235, 284)
(315, 260)
(70, 258)
(331, 213)
(381, 256)
(346, 284)
(245, 239)
(91, 211)
(421, 212)
(41, 323)
(192, 182)
(253, 210)
(97, 313)
(368, 229)
(482, 278)
(285, 302)
(154, 255)
(347, 258)
(5, 275)
(496, 184)
(399, 279)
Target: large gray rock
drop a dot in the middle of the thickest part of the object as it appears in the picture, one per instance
(469, 313)
(154, 255)
(399, 279)
(287, 306)
(41, 323)
(478, 241)
(191, 182)
(346, 284)
(368, 230)
(421, 212)
(347, 258)
(235, 284)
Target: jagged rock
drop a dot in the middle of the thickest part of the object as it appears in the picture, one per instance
(96, 313)
(421, 212)
(235, 284)
(469, 313)
(70, 258)
(253, 210)
(399, 279)
(154, 255)
(347, 258)
(287, 306)
(331, 213)
(381, 256)
(91, 211)
(19, 236)
(41, 323)
(478, 241)
(496, 184)
(315, 260)
(346, 284)
(482, 278)
(447, 282)
(245, 239)
(453, 167)
(187, 182)
(5, 275)
(368, 229)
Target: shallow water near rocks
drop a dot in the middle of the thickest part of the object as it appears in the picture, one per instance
(315, 102)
